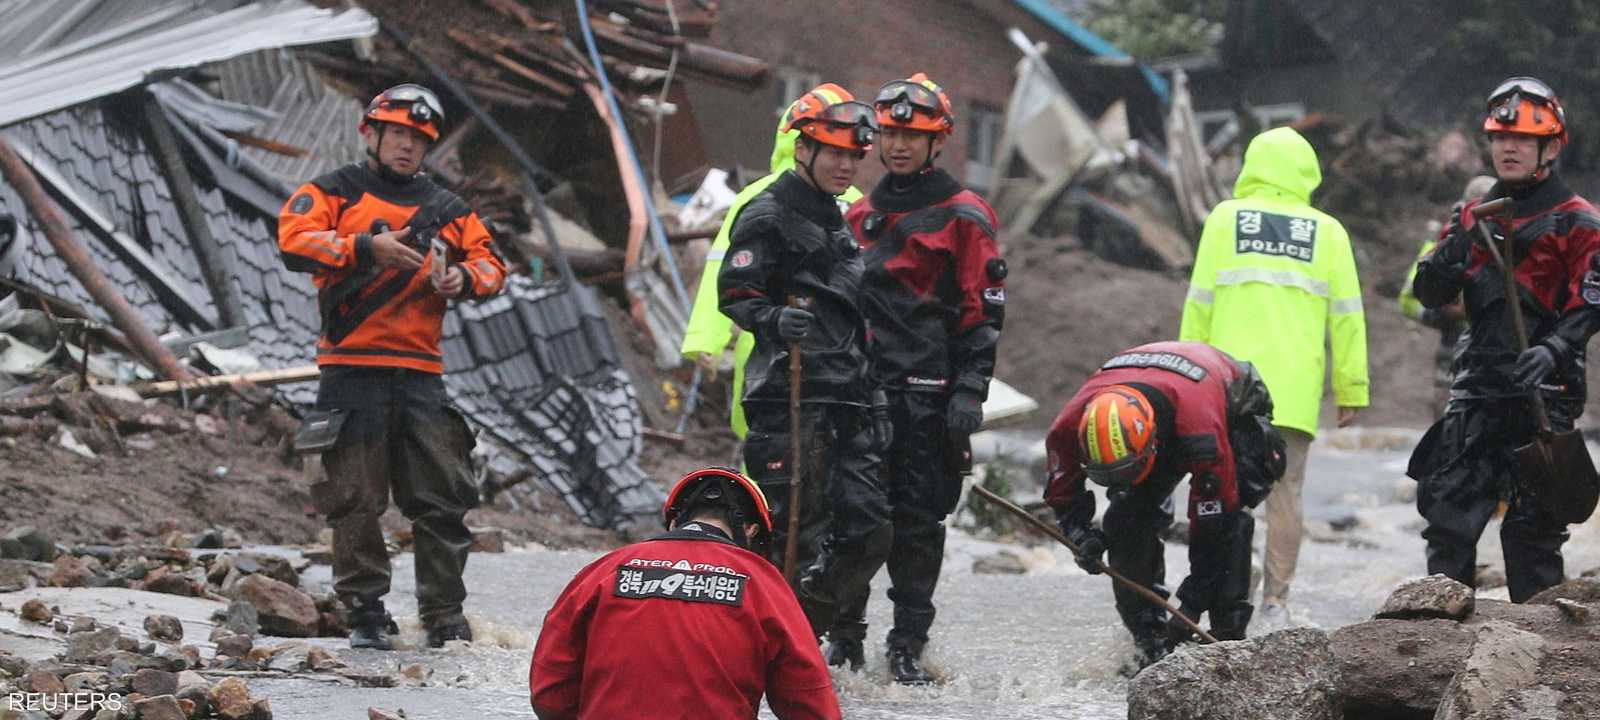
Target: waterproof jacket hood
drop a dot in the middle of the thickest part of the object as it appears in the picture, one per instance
(1279, 163)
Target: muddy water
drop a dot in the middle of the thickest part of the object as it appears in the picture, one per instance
(1043, 644)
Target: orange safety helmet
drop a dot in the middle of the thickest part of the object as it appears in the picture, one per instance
(1526, 106)
(915, 103)
(1117, 437)
(830, 115)
(408, 104)
(740, 494)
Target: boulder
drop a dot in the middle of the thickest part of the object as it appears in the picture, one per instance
(165, 628)
(231, 700)
(284, 610)
(70, 572)
(1576, 613)
(1433, 596)
(44, 683)
(1504, 662)
(1398, 668)
(36, 611)
(1287, 675)
(234, 645)
(28, 543)
(85, 647)
(164, 707)
(1583, 589)
(242, 618)
(150, 683)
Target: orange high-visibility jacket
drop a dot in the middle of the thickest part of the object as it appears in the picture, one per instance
(382, 316)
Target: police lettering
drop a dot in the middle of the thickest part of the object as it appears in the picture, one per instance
(1265, 233)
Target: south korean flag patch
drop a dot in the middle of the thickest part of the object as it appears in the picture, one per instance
(742, 259)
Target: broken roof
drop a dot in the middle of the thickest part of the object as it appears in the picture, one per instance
(58, 53)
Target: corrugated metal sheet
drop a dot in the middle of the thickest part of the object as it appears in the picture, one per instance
(43, 79)
(309, 115)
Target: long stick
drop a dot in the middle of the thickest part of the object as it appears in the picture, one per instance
(77, 259)
(1513, 301)
(791, 543)
(1055, 533)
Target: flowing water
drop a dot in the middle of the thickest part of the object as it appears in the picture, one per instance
(1042, 644)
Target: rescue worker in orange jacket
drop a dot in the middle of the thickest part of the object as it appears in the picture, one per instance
(695, 623)
(1149, 416)
(387, 249)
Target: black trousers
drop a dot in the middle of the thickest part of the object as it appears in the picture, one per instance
(1465, 465)
(844, 511)
(401, 436)
(1219, 565)
(923, 488)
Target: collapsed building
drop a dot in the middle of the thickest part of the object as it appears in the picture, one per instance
(168, 134)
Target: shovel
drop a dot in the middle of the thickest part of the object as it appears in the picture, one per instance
(1555, 467)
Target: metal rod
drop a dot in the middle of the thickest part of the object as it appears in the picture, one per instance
(1055, 534)
(1514, 309)
(791, 543)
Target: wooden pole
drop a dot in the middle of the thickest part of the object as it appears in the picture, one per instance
(791, 542)
(263, 378)
(78, 260)
(213, 264)
(1055, 533)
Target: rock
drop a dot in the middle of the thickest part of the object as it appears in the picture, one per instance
(207, 539)
(190, 655)
(242, 618)
(66, 439)
(165, 628)
(1504, 661)
(1575, 612)
(1584, 590)
(333, 624)
(28, 543)
(488, 540)
(44, 683)
(187, 706)
(376, 714)
(164, 707)
(1433, 596)
(284, 610)
(231, 699)
(1000, 563)
(70, 572)
(36, 611)
(150, 683)
(321, 660)
(415, 671)
(261, 709)
(84, 681)
(83, 623)
(272, 566)
(1287, 674)
(1389, 666)
(219, 570)
(86, 647)
(290, 657)
(199, 699)
(235, 645)
(163, 580)
(12, 666)
(20, 574)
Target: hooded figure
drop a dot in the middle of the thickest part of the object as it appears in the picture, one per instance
(709, 330)
(1274, 282)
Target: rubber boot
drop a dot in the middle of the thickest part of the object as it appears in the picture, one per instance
(843, 650)
(905, 664)
(370, 626)
(438, 636)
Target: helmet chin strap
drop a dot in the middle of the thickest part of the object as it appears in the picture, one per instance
(376, 154)
(816, 149)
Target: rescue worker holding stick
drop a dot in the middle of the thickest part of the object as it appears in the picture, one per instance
(1469, 460)
(725, 628)
(934, 297)
(1151, 415)
(388, 249)
(709, 330)
(792, 278)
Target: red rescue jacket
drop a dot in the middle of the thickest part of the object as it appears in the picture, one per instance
(372, 316)
(1193, 378)
(687, 625)
(932, 289)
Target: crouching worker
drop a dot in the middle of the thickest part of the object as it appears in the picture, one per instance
(696, 623)
(1148, 417)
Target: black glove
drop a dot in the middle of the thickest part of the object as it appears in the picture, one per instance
(1091, 547)
(1534, 365)
(965, 414)
(793, 323)
(1454, 247)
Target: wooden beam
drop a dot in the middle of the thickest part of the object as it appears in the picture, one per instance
(81, 264)
(213, 383)
(213, 262)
